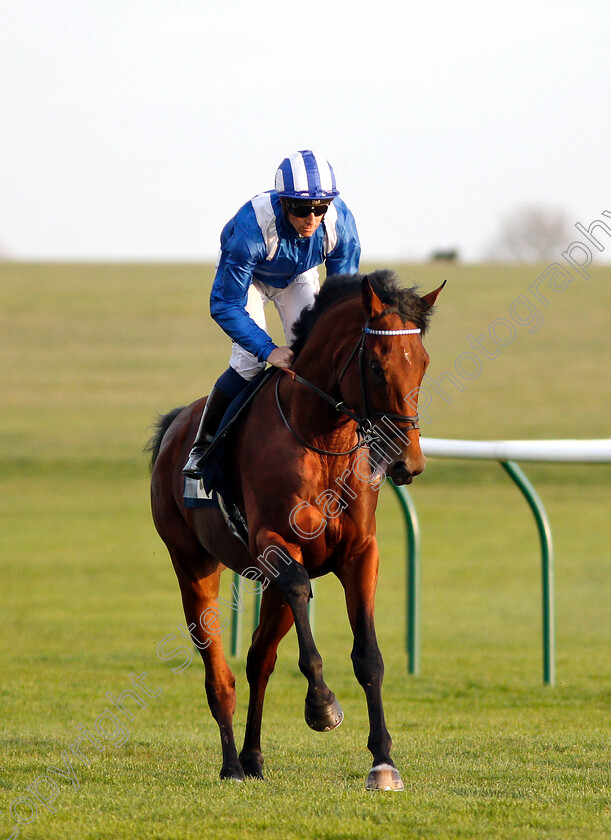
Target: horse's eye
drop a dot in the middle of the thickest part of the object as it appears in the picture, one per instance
(377, 369)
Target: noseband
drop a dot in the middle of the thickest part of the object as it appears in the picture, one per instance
(364, 424)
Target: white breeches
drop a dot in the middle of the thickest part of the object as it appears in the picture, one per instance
(288, 301)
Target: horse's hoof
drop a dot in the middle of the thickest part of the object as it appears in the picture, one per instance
(384, 777)
(232, 773)
(252, 764)
(324, 718)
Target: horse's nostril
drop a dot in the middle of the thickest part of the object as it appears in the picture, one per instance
(400, 473)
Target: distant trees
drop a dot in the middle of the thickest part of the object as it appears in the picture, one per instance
(530, 233)
(444, 255)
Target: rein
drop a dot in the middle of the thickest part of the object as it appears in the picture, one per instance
(338, 406)
(364, 425)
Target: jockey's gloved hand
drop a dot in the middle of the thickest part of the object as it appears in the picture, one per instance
(281, 357)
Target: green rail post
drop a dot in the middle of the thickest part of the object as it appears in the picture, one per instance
(236, 621)
(412, 529)
(547, 567)
(311, 609)
(257, 612)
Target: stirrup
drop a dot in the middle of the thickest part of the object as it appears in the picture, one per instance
(192, 469)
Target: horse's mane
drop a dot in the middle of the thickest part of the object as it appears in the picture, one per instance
(406, 302)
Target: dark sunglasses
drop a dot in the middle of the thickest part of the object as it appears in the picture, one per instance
(301, 209)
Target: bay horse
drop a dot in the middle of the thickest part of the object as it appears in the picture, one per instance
(312, 449)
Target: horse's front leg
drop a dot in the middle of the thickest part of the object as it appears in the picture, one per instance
(277, 559)
(359, 579)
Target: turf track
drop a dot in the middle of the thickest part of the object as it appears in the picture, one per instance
(89, 354)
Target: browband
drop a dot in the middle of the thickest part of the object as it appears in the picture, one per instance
(369, 331)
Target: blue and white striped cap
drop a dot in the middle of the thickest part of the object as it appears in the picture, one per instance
(306, 175)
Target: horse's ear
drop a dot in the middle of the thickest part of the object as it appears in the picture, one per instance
(371, 302)
(432, 296)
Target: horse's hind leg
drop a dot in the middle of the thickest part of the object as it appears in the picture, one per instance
(199, 586)
(275, 621)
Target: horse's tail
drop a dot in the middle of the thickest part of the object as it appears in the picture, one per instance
(161, 425)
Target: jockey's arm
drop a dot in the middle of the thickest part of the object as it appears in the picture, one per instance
(229, 294)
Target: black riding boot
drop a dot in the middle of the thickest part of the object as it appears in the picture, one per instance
(216, 405)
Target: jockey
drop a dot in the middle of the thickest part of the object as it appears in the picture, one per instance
(271, 250)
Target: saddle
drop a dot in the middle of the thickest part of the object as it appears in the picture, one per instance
(215, 489)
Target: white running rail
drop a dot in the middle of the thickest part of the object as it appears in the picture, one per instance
(507, 453)
(560, 451)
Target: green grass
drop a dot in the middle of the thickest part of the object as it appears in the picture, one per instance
(90, 353)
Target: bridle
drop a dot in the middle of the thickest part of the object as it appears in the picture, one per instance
(365, 427)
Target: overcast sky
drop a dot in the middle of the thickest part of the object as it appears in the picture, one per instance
(136, 128)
